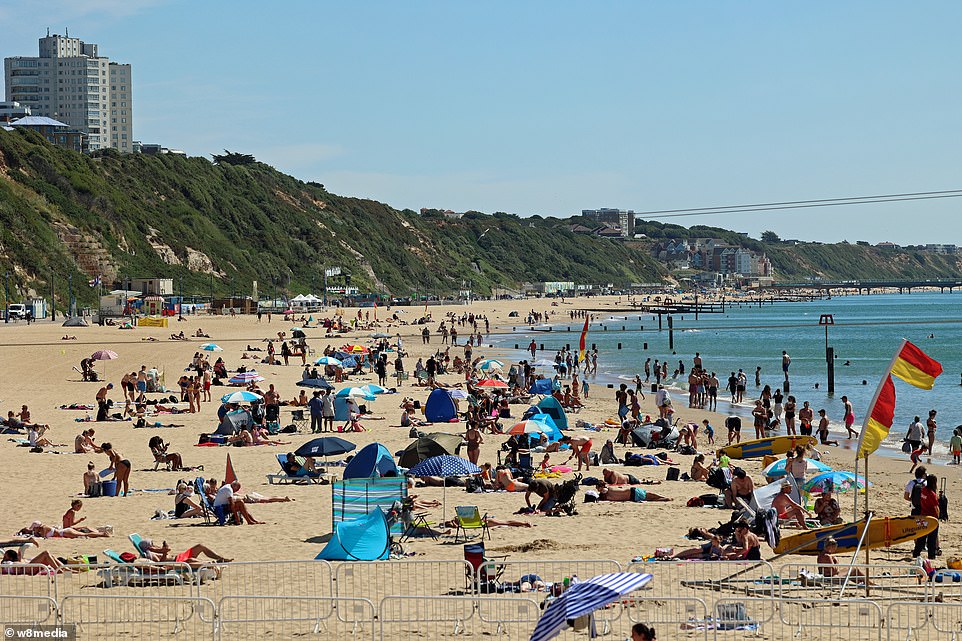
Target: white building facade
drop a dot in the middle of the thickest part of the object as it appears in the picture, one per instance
(71, 82)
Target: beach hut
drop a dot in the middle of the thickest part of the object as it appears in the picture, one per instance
(549, 405)
(372, 461)
(439, 407)
(362, 539)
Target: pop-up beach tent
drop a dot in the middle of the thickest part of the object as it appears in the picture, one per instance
(549, 405)
(354, 498)
(553, 433)
(362, 539)
(542, 386)
(341, 413)
(439, 407)
(372, 461)
(234, 422)
(424, 447)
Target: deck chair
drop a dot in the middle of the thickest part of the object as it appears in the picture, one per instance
(483, 571)
(300, 420)
(469, 518)
(206, 509)
(129, 574)
(136, 540)
(302, 477)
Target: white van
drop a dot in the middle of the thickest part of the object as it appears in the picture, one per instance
(17, 311)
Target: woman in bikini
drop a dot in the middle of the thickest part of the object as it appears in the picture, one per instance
(41, 531)
(474, 439)
(120, 466)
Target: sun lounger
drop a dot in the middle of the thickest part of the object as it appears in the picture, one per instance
(302, 477)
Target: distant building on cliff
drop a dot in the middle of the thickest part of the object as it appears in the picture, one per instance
(70, 82)
(621, 219)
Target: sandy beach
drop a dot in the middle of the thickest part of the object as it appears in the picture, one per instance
(40, 486)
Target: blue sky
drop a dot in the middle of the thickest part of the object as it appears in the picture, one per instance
(551, 107)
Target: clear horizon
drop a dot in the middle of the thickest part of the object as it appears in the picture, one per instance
(547, 109)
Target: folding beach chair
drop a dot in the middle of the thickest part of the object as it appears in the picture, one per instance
(206, 509)
(300, 420)
(469, 518)
(302, 477)
(484, 570)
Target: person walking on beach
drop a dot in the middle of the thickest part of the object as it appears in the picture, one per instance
(931, 428)
(712, 388)
(621, 396)
(760, 416)
(740, 386)
(316, 406)
(849, 417)
(786, 361)
(914, 436)
(823, 429)
(533, 348)
(929, 506)
(647, 369)
(733, 386)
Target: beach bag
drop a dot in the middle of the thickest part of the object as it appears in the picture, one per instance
(709, 499)
(718, 479)
(687, 450)
(673, 474)
(916, 497)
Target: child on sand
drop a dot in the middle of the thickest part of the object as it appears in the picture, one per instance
(916, 456)
(955, 446)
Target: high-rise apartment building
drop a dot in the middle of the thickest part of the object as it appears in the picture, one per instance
(71, 82)
(623, 219)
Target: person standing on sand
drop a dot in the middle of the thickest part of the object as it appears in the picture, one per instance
(103, 406)
(805, 417)
(931, 428)
(849, 417)
(120, 467)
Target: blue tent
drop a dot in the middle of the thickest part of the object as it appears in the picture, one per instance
(554, 434)
(340, 409)
(439, 407)
(550, 405)
(541, 386)
(372, 461)
(363, 539)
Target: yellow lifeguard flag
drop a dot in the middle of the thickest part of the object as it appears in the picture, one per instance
(914, 367)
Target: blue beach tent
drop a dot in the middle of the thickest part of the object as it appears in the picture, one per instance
(550, 405)
(361, 539)
(554, 434)
(439, 407)
(541, 386)
(341, 412)
(372, 461)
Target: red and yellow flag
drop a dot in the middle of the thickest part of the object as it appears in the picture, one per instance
(879, 421)
(914, 367)
(583, 342)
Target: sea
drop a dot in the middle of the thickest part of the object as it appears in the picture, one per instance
(867, 331)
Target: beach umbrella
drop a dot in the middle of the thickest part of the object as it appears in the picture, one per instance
(328, 360)
(211, 347)
(349, 361)
(492, 383)
(244, 378)
(240, 397)
(356, 392)
(839, 481)
(490, 365)
(543, 362)
(316, 383)
(325, 446)
(104, 355)
(777, 469)
(458, 394)
(374, 389)
(445, 466)
(380, 335)
(357, 349)
(529, 427)
(584, 598)
(296, 329)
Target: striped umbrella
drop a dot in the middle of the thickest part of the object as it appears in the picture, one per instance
(245, 377)
(529, 427)
(374, 389)
(584, 598)
(444, 466)
(490, 365)
(328, 360)
(104, 355)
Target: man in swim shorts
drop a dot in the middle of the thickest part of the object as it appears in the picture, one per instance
(627, 494)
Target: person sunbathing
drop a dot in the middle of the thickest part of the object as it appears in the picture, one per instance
(698, 470)
(70, 519)
(262, 437)
(11, 558)
(828, 563)
(787, 508)
(35, 437)
(191, 556)
(710, 551)
(634, 494)
(504, 480)
(178, 337)
(616, 478)
(254, 497)
(40, 530)
(67, 337)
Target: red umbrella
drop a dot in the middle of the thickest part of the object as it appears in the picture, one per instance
(492, 382)
(529, 427)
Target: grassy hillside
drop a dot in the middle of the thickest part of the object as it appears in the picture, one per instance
(226, 225)
(842, 261)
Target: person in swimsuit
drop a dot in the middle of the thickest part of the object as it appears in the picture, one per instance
(580, 446)
(474, 439)
(849, 417)
(931, 427)
(827, 508)
(191, 556)
(788, 508)
(120, 466)
(805, 417)
(508, 483)
(790, 415)
(41, 531)
(184, 505)
(751, 546)
(742, 485)
(632, 494)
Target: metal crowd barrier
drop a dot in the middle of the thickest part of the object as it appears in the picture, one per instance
(709, 581)
(287, 617)
(672, 617)
(269, 578)
(130, 579)
(924, 621)
(887, 582)
(456, 617)
(377, 579)
(28, 580)
(28, 610)
(139, 617)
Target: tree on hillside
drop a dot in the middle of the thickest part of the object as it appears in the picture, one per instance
(233, 158)
(770, 237)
